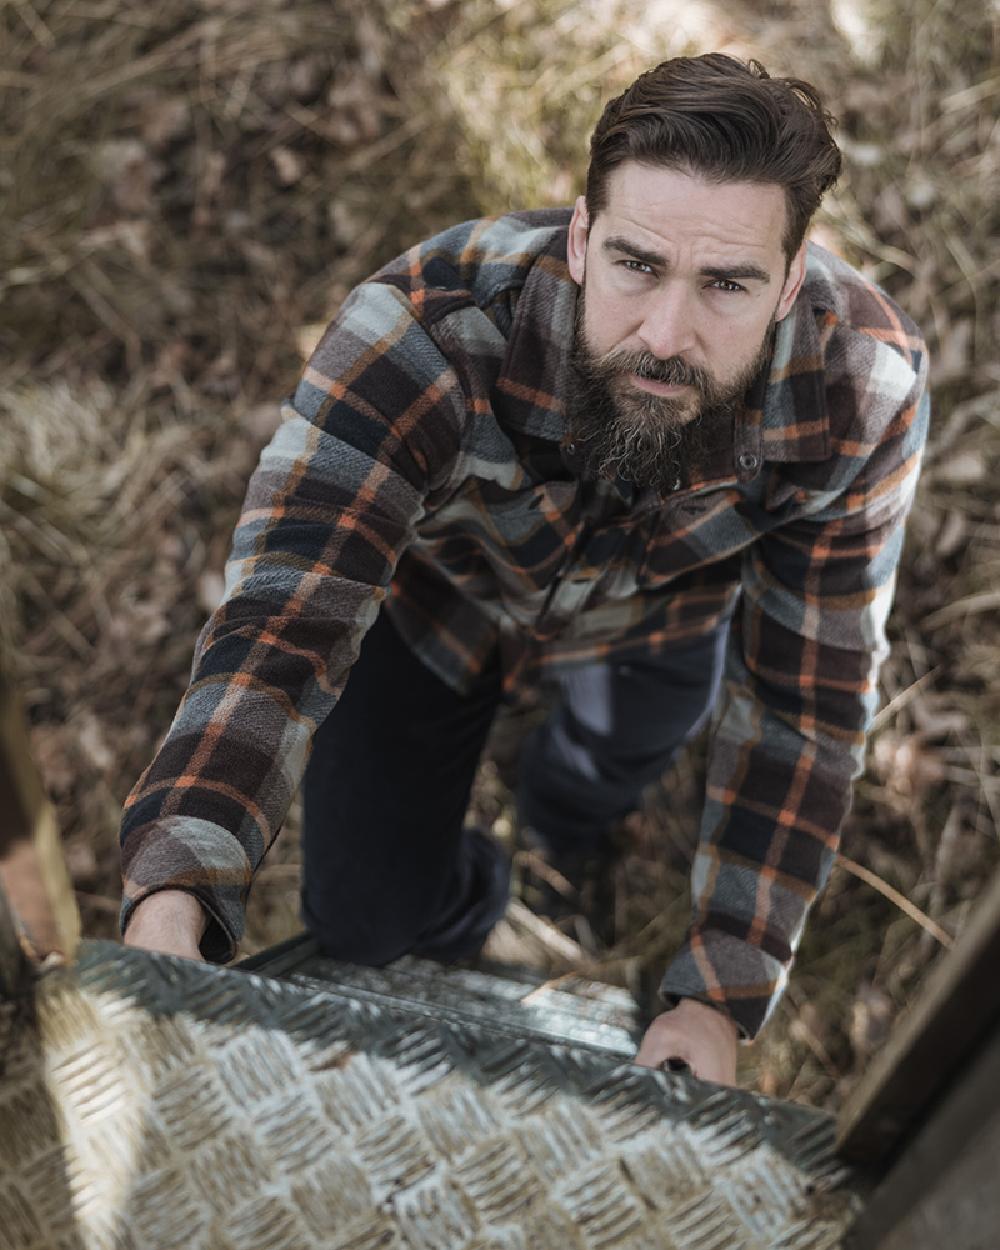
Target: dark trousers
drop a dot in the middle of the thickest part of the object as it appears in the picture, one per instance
(388, 867)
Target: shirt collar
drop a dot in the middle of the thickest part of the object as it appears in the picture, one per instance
(790, 408)
(533, 380)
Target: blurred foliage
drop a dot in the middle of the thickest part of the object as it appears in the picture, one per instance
(188, 190)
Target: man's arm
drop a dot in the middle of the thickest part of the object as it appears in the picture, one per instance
(170, 921)
(375, 422)
(799, 695)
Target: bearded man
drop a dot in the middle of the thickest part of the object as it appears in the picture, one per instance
(658, 449)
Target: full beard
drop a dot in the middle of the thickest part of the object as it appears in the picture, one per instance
(650, 440)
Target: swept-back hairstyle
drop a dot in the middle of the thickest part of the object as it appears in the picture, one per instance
(726, 120)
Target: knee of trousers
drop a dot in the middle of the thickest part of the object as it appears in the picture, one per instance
(594, 762)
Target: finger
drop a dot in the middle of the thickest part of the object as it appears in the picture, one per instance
(657, 1050)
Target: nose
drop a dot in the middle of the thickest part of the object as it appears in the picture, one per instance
(668, 326)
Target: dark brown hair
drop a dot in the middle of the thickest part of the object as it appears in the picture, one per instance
(726, 120)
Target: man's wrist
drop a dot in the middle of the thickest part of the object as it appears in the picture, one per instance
(716, 1016)
(170, 912)
(729, 973)
(693, 1002)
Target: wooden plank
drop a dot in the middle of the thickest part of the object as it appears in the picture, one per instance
(32, 869)
(943, 1192)
(957, 1008)
(13, 970)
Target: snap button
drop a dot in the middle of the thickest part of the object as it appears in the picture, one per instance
(747, 461)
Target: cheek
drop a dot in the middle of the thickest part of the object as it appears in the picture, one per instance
(610, 318)
(600, 324)
(737, 330)
(731, 347)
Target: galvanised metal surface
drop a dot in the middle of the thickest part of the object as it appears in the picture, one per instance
(156, 1103)
(569, 1009)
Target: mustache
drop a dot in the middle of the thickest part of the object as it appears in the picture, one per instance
(671, 370)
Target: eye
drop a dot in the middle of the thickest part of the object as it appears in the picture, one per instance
(630, 265)
(727, 286)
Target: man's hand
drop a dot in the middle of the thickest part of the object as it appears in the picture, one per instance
(705, 1039)
(169, 921)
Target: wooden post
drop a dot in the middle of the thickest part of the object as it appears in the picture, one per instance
(33, 872)
(943, 1192)
(927, 1114)
(956, 1011)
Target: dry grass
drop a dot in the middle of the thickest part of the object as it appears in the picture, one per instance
(186, 188)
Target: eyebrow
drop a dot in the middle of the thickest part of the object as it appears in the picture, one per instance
(741, 269)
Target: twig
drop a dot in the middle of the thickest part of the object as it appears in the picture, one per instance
(548, 935)
(551, 876)
(899, 701)
(551, 984)
(982, 602)
(894, 896)
(803, 1031)
(35, 24)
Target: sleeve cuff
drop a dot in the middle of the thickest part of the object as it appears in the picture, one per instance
(729, 974)
(201, 858)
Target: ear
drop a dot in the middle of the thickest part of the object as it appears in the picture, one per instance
(793, 284)
(576, 244)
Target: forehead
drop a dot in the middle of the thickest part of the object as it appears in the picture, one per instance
(672, 208)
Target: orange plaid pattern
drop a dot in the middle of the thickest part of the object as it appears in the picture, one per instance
(424, 465)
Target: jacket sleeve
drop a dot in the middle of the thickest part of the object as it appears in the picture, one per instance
(799, 695)
(374, 423)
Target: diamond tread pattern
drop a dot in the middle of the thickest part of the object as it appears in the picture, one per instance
(157, 1103)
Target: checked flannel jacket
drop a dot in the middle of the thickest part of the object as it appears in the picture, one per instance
(423, 463)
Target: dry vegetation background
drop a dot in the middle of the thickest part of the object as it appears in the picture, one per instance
(187, 189)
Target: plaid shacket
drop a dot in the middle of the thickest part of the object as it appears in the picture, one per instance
(424, 463)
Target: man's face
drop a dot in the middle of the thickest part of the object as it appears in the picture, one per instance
(681, 282)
